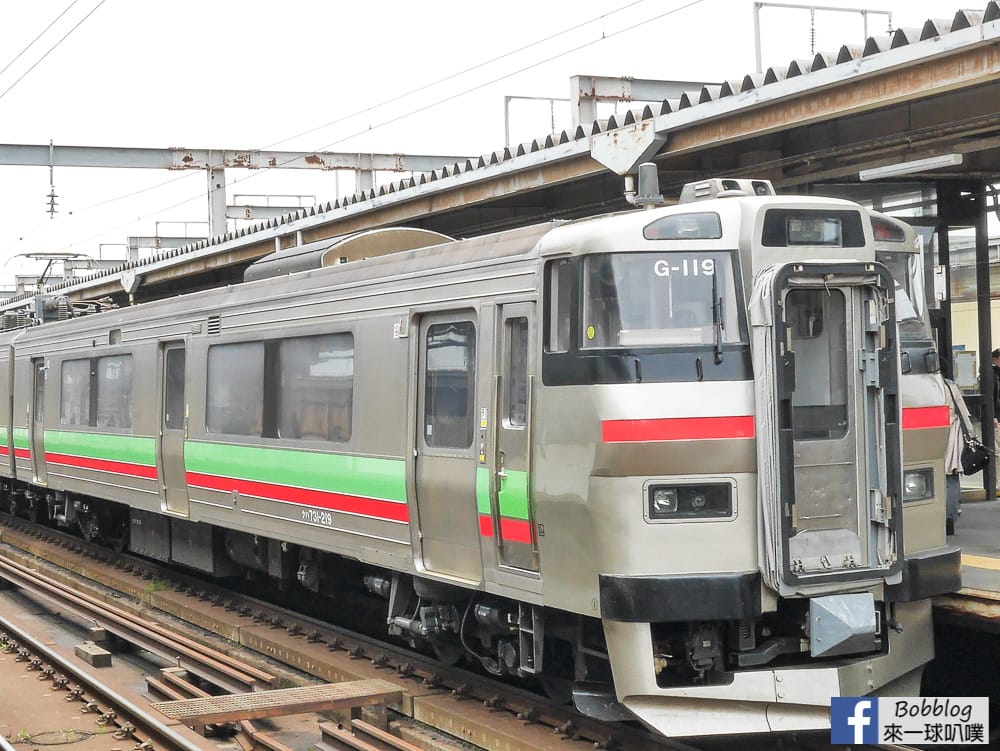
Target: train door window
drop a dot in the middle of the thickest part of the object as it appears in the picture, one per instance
(516, 357)
(38, 406)
(816, 320)
(114, 391)
(173, 389)
(236, 388)
(75, 395)
(316, 396)
(449, 390)
(560, 305)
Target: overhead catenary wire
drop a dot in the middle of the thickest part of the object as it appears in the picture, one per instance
(604, 36)
(51, 49)
(418, 110)
(30, 44)
(370, 108)
(462, 72)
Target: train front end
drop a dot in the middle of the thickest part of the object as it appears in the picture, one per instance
(743, 511)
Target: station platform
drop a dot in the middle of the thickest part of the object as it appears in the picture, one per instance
(977, 533)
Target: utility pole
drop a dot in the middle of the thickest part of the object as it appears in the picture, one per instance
(52, 186)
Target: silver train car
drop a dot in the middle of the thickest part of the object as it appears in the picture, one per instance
(651, 460)
(925, 402)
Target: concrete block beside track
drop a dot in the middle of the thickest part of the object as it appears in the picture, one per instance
(93, 654)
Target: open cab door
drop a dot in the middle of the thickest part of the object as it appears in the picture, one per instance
(829, 466)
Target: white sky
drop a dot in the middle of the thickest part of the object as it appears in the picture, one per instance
(250, 74)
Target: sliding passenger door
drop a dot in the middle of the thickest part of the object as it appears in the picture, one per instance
(173, 419)
(37, 422)
(446, 457)
(511, 498)
(7, 411)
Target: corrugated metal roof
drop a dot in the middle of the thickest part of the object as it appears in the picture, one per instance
(747, 91)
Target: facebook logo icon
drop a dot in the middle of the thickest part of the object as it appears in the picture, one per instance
(854, 720)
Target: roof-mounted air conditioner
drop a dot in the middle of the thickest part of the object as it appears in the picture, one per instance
(723, 187)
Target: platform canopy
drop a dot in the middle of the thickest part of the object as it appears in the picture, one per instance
(926, 98)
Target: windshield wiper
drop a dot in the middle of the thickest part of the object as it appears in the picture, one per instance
(717, 324)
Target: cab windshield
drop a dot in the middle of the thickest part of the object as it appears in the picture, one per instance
(659, 299)
(911, 306)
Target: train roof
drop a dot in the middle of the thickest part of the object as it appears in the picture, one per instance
(738, 216)
(608, 233)
(339, 250)
(471, 254)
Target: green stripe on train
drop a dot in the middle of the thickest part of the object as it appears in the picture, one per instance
(483, 490)
(513, 493)
(116, 448)
(336, 473)
(21, 440)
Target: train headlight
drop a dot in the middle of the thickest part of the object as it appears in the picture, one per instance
(663, 502)
(918, 484)
(688, 501)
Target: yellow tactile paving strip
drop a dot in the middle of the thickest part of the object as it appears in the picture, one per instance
(981, 561)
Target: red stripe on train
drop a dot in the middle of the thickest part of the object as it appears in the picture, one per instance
(350, 504)
(22, 453)
(512, 530)
(677, 429)
(103, 465)
(915, 418)
(515, 530)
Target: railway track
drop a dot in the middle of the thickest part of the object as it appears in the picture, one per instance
(480, 711)
(233, 675)
(485, 713)
(109, 707)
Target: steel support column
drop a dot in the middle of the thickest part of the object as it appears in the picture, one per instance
(216, 201)
(941, 318)
(983, 299)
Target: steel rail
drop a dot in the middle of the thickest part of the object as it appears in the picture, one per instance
(465, 685)
(240, 666)
(146, 722)
(232, 675)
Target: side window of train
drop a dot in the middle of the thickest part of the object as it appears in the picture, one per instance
(114, 391)
(449, 388)
(316, 387)
(97, 392)
(75, 395)
(235, 401)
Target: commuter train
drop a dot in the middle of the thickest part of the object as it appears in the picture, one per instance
(654, 460)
